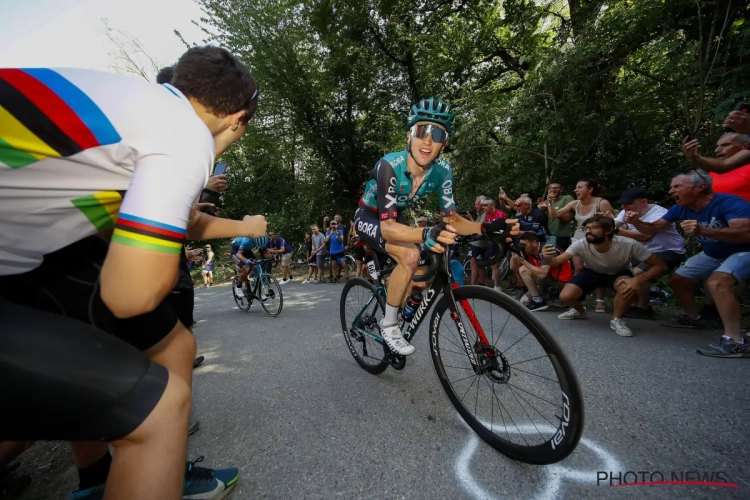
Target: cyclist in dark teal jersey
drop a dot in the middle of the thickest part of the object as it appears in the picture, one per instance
(399, 180)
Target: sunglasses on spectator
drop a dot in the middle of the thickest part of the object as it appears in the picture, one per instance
(422, 131)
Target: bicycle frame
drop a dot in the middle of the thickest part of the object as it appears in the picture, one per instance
(253, 285)
(443, 282)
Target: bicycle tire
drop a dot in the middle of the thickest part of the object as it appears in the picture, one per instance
(377, 365)
(274, 290)
(565, 437)
(242, 304)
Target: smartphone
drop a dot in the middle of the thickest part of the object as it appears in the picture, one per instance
(686, 133)
(220, 169)
(552, 240)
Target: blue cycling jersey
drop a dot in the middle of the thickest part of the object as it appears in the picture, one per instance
(247, 245)
(388, 190)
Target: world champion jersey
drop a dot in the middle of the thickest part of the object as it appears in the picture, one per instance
(388, 189)
(84, 151)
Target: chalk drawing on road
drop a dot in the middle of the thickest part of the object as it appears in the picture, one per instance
(554, 474)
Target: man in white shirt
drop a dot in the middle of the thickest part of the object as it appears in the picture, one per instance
(667, 244)
(606, 258)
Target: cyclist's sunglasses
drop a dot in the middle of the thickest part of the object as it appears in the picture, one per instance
(421, 131)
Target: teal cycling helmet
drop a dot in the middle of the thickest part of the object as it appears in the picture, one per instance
(261, 242)
(432, 110)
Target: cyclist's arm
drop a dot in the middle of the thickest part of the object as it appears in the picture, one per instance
(391, 230)
(463, 226)
(208, 227)
(142, 262)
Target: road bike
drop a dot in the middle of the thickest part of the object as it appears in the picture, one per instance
(505, 374)
(260, 286)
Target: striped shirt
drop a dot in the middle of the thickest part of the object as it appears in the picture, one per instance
(82, 151)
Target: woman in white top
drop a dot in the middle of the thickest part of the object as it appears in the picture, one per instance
(587, 204)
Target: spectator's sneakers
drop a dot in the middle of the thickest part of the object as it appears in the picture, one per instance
(284, 282)
(93, 493)
(573, 314)
(600, 308)
(683, 321)
(620, 328)
(198, 361)
(308, 280)
(534, 306)
(727, 348)
(208, 484)
(639, 312)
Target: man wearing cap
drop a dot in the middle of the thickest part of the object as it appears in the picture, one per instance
(667, 244)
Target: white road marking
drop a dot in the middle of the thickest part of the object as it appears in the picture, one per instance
(555, 473)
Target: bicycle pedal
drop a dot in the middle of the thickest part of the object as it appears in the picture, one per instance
(398, 362)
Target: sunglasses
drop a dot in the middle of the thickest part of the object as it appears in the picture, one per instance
(421, 131)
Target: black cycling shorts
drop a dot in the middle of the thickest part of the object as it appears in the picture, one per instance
(64, 380)
(182, 301)
(67, 283)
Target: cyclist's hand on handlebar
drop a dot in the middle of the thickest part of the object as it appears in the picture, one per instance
(515, 227)
(437, 236)
(255, 225)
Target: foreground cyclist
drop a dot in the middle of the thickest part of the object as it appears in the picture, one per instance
(243, 256)
(399, 180)
(84, 157)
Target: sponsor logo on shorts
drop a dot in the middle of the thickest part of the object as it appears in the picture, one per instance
(384, 216)
(394, 214)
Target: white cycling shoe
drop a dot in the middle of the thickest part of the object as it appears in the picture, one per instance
(239, 293)
(395, 340)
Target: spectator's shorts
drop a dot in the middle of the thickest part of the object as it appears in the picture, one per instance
(589, 280)
(312, 261)
(286, 259)
(337, 257)
(209, 268)
(320, 258)
(359, 254)
(671, 259)
(701, 266)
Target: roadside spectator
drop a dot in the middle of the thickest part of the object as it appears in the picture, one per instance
(529, 218)
(360, 252)
(606, 260)
(738, 121)
(335, 240)
(730, 170)
(478, 274)
(208, 267)
(312, 266)
(491, 213)
(667, 244)
(320, 250)
(561, 226)
(536, 274)
(721, 224)
(279, 246)
(475, 214)
(587, 204)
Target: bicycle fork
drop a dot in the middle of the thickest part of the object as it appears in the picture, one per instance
(471, 351)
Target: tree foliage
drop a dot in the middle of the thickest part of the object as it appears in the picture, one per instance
(543, 89)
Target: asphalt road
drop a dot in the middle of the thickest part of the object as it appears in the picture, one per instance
(283, 400)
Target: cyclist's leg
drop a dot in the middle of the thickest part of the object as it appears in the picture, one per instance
(130, 400)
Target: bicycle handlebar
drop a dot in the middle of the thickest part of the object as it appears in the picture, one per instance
(497, 243)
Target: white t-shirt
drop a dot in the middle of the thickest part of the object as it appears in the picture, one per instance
(666, 240)
(617, 259)
(82, 151)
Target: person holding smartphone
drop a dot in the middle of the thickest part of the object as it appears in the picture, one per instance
(559, 227)
(730, 170)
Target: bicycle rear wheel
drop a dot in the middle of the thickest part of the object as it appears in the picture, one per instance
(526, 400)
(243, 303)
(270, 295)
(361, 311)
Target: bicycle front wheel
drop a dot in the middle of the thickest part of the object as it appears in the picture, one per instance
(243, 303)
(362, 309)
(270, 295)
(524, 399)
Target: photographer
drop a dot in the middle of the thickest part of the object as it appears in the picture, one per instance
(536, 273)
(607, 260)
(335, 240)
(559, 226)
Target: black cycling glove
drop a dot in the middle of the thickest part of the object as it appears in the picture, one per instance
(430, 235)
(493, 227)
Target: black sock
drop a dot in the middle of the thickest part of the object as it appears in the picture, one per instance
(95, 474)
